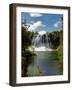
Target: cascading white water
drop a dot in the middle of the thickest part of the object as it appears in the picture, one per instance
(41, 42)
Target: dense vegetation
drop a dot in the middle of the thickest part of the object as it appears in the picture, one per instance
(26, 54)
(60, 52)
(54, 39)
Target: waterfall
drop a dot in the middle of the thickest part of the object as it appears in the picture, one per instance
(41, 42)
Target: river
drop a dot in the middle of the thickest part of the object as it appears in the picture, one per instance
(44, 63)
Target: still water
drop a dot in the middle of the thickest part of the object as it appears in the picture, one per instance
(44, 63)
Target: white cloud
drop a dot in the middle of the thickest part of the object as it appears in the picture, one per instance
(42, 32)
(58, 24)
(35, 14)
(35, 26)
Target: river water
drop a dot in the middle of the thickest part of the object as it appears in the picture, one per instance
(44, 63)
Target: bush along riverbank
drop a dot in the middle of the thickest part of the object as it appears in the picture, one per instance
(60, 53)
(60, 57)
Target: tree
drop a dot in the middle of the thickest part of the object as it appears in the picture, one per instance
(26, 39)
(54, 39)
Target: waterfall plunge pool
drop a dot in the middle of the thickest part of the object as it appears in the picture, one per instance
(45, 63)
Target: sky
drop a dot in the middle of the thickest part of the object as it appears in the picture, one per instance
(42, 21)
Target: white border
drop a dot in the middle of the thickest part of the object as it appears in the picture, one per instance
(63, 77)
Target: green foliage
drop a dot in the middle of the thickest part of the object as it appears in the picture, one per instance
(26, 38)
(60, 47)
(56, 38)
(60, 53)
(60, 57)
(26, 41)
(61, 37)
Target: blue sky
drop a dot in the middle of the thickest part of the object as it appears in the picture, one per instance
(42, 21)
